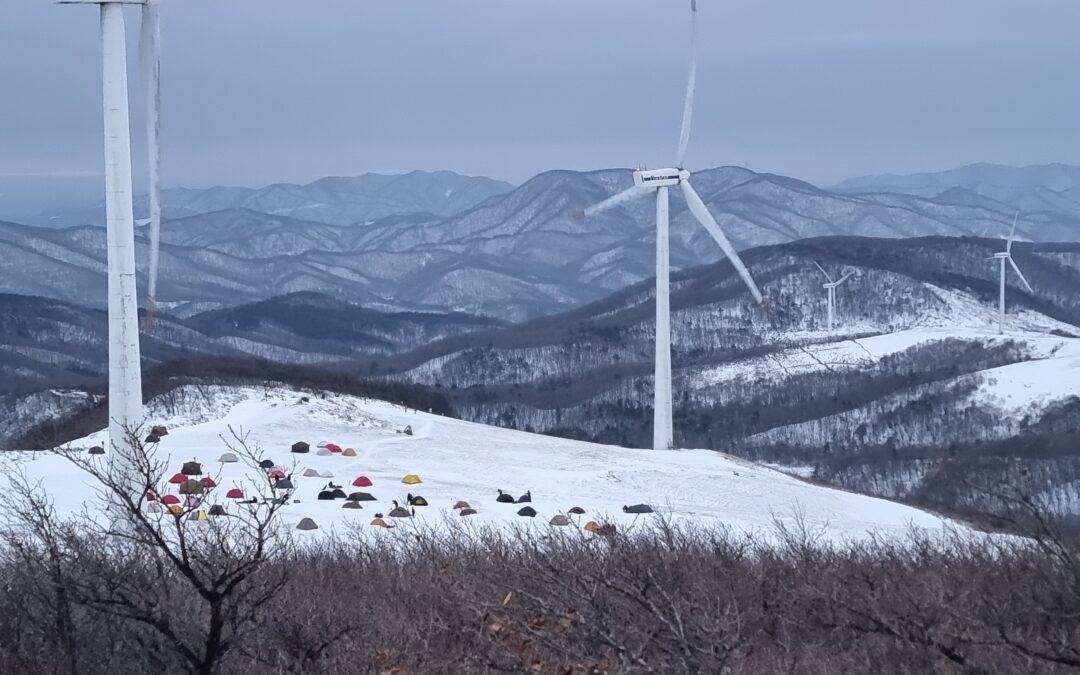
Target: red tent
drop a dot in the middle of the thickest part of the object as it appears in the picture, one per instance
(178, 478)
(235, 493)
(170, 499)
(208, 482)
(362, 481)
(333, 448)
(150, 496)
(277, 473)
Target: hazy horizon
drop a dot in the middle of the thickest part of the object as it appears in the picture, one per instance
(265, 92)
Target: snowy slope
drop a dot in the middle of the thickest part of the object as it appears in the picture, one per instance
(460, 460)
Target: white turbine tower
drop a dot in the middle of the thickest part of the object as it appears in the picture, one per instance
(831, 288)
(125, 377)
(1002, 257)
(659, 180)
(150, 62)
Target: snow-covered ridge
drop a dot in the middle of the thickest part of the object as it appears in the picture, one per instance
(463, 461)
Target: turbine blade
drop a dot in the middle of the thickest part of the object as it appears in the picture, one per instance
(150, 61)
(1021, 275)
(843, 278)
(1008, 244)
(691, 83)
(823, 271)
(701, 212)
(615, 200)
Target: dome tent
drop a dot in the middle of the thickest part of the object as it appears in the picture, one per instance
(97, 450)
(307, 524)
(192, 468)
(638, 509)
(577, 511)
(351, 505)
(235, 493)
(462, 505)
(155, 507)
(362, 481)
(228, 458)
(177, 478)
(326, 474)
(379, 522)
(362, 497)
(400, 512)
(192, 487)
(527, 511)
(348, 452)
(301, 447)
(217, 510)
(284, 484)
(266, 464)
(504, 498)
(559, 520)
(310, 473)
(323, 452)
(208, 482)
(338, 493)
(326, 496)
(169, 500)
(467, 512)
(411, 479)
(333, 447)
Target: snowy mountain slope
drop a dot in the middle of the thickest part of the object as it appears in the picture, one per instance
(462, 461)
(1053, 188)
(517, 255)
(332, 200)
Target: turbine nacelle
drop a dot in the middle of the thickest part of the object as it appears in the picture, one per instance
(656, 178)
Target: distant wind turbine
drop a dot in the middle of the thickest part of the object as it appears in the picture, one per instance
(1002, 257)
(659, 180)
(831, 288)
(125, 376)
(150, 62)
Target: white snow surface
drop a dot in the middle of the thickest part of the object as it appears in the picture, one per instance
(464, 461)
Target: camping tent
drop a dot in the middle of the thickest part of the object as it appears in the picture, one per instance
(400, 512)
(466, 512)
(217, 510)
(301, 447)
(462, 505)
(379, 522)
(311, 473)
(169, 500)
(361, 497)
(178, 478)
(235, 493)
(559, 520)
(97, 450)
(284, 484)
(326, 474)
(527, 511)
(638, 509)
(362, 481)
(577, 510)
(228, 458)
(192, 468)
(348, 452)
(411, 479)
(323, 452)
(338, 493)
(307, 524)
(326, 496)
(192, 487)
(351, 505)
(266, 464)
(333, 447)
(154, 507)
(208, 482)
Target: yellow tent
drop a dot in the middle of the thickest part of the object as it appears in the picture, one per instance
(592, 526)
(349, 452)
(411, 479)
(176, 509)
(379, 522)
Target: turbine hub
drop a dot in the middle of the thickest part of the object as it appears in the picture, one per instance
(655, 178)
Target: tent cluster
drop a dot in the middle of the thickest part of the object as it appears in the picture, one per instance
(192, 488)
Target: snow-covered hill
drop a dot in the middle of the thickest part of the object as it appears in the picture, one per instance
(459, 460)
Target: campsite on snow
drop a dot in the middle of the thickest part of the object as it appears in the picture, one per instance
(710, 376)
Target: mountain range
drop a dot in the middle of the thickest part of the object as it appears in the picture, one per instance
(511, 255)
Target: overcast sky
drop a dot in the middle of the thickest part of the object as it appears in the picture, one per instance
(260, 91)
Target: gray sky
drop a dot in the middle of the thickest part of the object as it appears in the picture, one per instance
(259, 91)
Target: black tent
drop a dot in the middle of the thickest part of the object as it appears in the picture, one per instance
(301, 447)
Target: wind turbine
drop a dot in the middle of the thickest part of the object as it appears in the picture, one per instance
(1002, 257)
(125, 376)
(831, 288)
(660, 180)
(150, 62)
